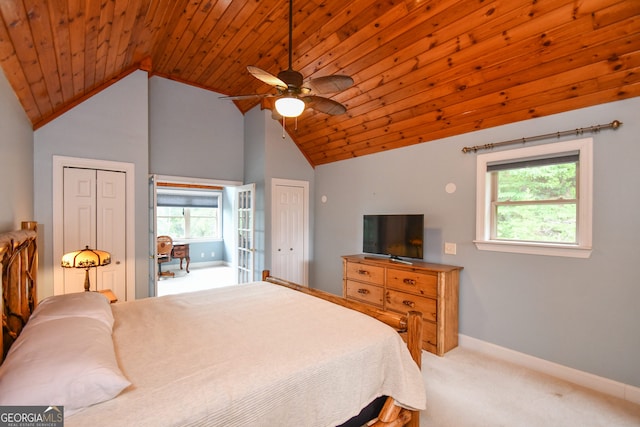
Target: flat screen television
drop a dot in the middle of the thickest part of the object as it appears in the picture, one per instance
(394, 235)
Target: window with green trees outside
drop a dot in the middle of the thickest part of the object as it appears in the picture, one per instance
(536, 200)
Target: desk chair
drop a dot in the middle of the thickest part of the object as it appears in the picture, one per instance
(165, 244)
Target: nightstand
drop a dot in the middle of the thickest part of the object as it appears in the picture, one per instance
(108, 294)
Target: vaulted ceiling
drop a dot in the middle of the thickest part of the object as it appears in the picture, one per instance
(423, 69)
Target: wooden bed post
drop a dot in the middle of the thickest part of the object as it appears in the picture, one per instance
(414, 336)
(414, 342)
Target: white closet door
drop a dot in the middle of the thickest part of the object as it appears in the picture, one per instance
(94, 215)
(79, 199)
(111, 230)
(288, 233)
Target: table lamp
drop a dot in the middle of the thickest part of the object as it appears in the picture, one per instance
(86, 258)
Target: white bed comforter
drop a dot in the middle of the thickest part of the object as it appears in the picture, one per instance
(251, 355)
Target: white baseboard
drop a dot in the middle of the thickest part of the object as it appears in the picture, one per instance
(585, 379)
(205, 264)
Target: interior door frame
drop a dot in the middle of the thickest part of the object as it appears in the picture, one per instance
(153, 235)
(180, 180)
(305, 218)
(59, 163)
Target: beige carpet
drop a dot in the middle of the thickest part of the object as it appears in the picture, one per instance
(197, 279)
(466, 388)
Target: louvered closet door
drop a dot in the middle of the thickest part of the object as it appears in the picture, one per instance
(94, 215)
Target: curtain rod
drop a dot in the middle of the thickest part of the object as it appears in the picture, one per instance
(613, 125)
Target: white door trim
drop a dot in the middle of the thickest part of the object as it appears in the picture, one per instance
(305, 255)
(59, 163)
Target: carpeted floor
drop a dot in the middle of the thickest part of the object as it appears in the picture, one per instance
(198, 278)
(469, 389)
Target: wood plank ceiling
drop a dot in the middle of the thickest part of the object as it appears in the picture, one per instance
(423, 69)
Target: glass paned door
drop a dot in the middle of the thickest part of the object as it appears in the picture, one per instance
(245, 202)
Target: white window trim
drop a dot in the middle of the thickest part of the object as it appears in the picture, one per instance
(585, 203)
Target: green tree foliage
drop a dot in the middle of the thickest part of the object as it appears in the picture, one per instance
(537, 203)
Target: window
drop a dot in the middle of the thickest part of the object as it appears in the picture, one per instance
(536, 200)
(193, 215)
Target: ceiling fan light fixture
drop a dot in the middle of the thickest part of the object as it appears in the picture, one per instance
(289, 106)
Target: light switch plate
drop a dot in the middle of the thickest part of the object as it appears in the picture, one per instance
(450, 248)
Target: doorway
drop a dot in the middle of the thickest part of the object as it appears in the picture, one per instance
(183, 207)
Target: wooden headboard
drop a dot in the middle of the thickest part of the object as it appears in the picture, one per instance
(19, 256)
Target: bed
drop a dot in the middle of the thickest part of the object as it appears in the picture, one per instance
(260, 354)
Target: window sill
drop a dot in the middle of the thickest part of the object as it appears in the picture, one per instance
(548, 249)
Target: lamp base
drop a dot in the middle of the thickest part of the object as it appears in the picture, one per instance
(87, 285)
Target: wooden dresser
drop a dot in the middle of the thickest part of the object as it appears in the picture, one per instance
(429, 288)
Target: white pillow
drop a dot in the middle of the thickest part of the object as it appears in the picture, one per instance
(80, 304)
(68, 362)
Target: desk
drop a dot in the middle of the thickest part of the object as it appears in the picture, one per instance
(181, 250)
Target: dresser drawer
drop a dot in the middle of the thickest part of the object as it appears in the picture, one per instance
(366, 273)
(365, 292)
(411, 281)
(403, 302)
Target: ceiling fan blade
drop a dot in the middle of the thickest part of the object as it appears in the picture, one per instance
(266, 77)
(325, 105)
(330, 84)
(251, 96)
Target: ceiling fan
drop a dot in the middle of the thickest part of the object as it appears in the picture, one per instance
(293, 94)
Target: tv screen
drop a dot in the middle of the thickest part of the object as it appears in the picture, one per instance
(394, 235)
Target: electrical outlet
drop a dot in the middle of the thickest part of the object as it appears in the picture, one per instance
(213, 254)
(450, 248)
(201, 254)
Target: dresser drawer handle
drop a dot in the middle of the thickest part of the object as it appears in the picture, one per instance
(363, 272)
(363, 291)
(409, 281)
(409, 303)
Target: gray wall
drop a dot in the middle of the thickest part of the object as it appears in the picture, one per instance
(193, 133)
(268, 155)
(111, 125)
(16, 160)
(581, 313)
